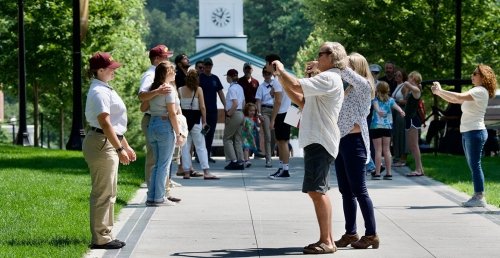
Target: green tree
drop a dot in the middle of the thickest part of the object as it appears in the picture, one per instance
(276, 27)
(417, 35)
(114, 26)
(173, 23)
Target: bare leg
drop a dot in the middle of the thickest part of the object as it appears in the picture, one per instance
(386, 143)
(415, 150)
(323, 208)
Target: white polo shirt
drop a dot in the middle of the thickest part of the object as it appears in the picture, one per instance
(102, 98)
(235, 91)
(324, 94)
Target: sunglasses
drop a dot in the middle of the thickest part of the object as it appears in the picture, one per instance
(324, 52)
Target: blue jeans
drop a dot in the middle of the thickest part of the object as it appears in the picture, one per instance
(350, 170)
(162, 140)
(473, 143)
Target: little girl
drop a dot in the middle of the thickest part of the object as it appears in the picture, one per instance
(381, 126)
(247, 133)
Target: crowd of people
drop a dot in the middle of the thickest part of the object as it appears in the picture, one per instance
(347, 121)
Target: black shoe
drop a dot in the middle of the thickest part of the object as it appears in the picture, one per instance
(115, 244)
(259, 155)
(150, 204)
(275, 173)
(234, 166)
(211, 160)
(282, 175)
(173, 199)
(372, 172)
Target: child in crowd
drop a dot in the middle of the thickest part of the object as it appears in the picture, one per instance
(381, 126)
(249, 128)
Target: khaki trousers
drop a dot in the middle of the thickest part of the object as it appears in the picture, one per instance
(103, 161)
(233, 143)
(268, 137)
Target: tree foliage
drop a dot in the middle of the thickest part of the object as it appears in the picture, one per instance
(114, 26)
(275, 27)
(417, 35)
(173, 23)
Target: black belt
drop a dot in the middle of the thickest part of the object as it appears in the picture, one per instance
(147, 114)
(267, 106)
(99, 130)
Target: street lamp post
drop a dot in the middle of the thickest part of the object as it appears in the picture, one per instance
(13, 121)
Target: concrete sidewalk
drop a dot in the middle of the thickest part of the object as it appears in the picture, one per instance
(245, 214)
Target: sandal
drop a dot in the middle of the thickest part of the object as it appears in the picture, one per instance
(195, 173)
(210, 177)
(415, 173)
(319, 248)
(186, 176)
(399, 164)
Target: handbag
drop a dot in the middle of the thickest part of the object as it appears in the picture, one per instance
(192, 115)
(183, 126)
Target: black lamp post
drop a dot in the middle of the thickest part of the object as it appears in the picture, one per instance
(77, 132)
(22, 134)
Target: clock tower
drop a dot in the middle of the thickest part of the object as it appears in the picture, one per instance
(221, 21)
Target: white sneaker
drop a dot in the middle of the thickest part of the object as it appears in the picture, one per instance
(166, 202)
(144, 185)
(475, 201)
(174, 184)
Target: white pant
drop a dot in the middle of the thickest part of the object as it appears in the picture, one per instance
(195, 137)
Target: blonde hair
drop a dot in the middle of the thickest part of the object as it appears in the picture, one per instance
(383, 91)
(338, 54)
(417, 77)
(246, 110)
(488, 78)
(361, 66)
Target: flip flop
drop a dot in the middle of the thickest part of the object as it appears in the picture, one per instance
(195, 174)
(414, 173)
(211, 177)
(399, 164)
(319, 248)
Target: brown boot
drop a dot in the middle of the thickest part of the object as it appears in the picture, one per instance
(346, 240)
(367, 241)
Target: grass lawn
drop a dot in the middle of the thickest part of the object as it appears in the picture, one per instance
(44, 196)
(454, 171)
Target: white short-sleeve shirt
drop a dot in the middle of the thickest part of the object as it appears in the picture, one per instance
(158, 104)
(285, 100)
(235, 91)
(102, 98)
(323, 95)
(264, 93)
(473, 111)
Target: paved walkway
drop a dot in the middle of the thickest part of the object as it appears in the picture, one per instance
(247, 215)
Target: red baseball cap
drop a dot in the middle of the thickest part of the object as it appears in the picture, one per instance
(232, 72)
(103, 60)
(161, 51)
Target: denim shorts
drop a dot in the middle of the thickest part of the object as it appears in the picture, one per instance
(317, 163)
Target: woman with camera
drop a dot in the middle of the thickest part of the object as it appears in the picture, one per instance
(193, 107)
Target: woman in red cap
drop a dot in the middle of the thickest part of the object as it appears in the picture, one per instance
(104, 147)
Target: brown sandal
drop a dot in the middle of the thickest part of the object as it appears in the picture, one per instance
(319, 248)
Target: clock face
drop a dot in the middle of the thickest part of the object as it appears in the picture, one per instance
(221, 17)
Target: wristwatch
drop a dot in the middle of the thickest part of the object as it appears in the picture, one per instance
(120, 149)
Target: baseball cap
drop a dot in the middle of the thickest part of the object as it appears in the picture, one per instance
(208, 61)
(375, 68)
(246, 65)
(232, 73)
(161, 51)
(102, 60)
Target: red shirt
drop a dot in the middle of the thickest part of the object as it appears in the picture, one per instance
(249, 88)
